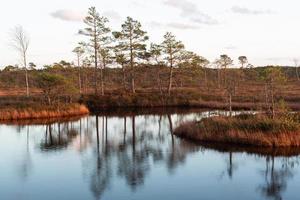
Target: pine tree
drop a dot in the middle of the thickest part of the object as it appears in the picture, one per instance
(133, 42)
(171, 48)
(97, 31)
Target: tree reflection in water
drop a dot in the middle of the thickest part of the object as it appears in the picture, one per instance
(26, 163)
(134, 146)
(100, 174)
(276, 177)
(133, 163)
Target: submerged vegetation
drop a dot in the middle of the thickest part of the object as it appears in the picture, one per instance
(253, 130)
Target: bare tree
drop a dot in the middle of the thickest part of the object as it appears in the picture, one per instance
(20, 41)
(79, 51)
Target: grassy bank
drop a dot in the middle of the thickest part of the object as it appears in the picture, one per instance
(249, 130)
(42, 112)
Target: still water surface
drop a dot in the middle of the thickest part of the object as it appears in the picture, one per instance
(133, 157)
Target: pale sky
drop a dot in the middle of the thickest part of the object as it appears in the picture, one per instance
(267, 31)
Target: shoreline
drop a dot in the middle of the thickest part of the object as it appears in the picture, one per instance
(20, 108)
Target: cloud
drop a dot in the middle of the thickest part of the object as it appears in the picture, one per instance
(76, 16)
(247, 11)
(186, 7)
(181, 26)
(112, 15)
(173, 25)
(190, 10)
(68, 15)
(205, 19)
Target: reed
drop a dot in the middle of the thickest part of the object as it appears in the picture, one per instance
(248, 130)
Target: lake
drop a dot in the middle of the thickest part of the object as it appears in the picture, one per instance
(136, 157)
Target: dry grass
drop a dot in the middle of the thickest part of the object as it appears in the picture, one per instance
(45, 112)
(244, 130)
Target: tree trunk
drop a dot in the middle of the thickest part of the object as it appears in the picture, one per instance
(26, 75)
(79, 75)
(132, 67)
(297, 73)
(124, 77)
(27, 84)
(170, 76)
(96, 58)
(95, 75)
(170, 80)
(133, 84)
(101, 78)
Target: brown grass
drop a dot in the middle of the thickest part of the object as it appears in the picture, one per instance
(45, 112)
(244, 130)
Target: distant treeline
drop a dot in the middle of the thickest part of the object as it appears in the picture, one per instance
(191, 86)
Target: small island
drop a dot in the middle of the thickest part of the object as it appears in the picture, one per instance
(258, 130)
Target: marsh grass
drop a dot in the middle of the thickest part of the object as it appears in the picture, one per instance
(43, 112)
(253, 130)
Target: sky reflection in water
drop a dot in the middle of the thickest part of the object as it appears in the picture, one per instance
(133, 157)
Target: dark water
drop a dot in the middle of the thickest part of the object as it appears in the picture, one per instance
(134, 157)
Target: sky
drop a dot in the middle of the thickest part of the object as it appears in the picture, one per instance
(266, 31)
